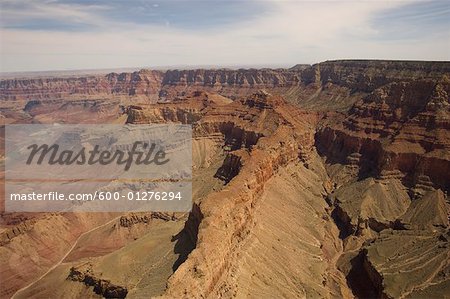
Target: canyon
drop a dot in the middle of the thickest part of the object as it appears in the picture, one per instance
(328, 180)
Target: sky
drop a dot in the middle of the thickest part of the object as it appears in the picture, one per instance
(38, 35)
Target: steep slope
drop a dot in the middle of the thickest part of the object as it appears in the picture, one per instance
(292, 245)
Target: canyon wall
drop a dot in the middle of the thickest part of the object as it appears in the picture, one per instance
(263, 78)
(367, 75)
(330, 85)
(144, 82)
(401, 126)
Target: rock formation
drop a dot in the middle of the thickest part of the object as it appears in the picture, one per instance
(101, 287)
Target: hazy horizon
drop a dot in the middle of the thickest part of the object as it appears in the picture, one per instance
(71, 72)
(156, 68)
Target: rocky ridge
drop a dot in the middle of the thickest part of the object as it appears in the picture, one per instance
(101, 287)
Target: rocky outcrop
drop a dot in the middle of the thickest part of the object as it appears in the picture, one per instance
(11, 232)
(165, 113)
(230, 167)
(102, 287)
(187, 110)
(131, 219)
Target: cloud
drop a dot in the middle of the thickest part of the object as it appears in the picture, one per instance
(192, 14)
(38, 15)
(279, 33)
